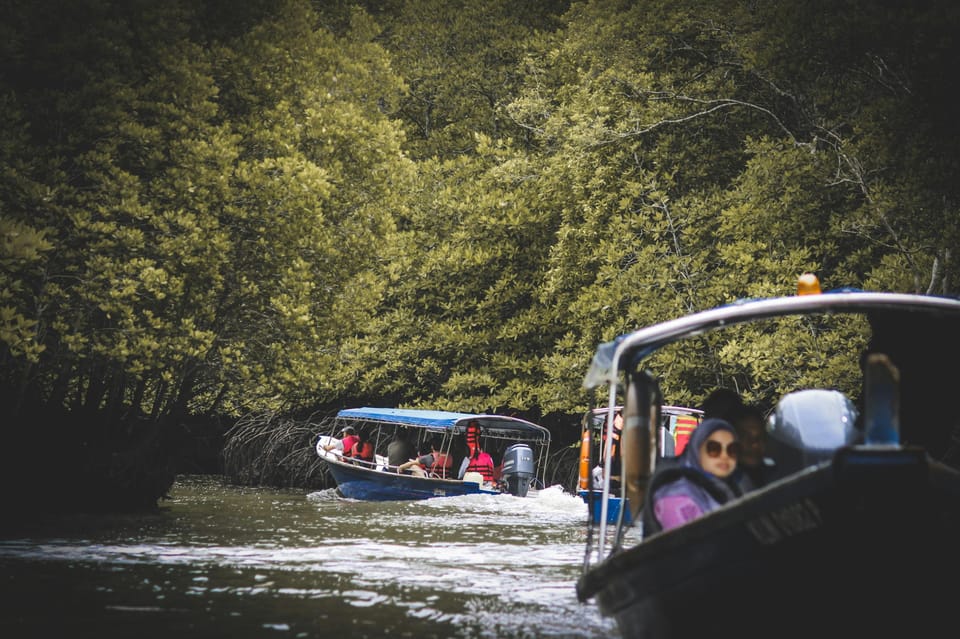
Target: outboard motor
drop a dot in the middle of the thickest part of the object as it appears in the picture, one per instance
(518, 469)
(808, 426)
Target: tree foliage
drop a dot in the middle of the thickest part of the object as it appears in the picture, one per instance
(210, 209)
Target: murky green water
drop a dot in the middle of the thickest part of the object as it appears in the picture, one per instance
(221, 561)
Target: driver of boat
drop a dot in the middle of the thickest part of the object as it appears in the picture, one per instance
(700, 480)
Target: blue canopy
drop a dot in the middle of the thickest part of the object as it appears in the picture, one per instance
(456, 423)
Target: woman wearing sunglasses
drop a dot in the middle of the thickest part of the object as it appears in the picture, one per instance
(696, 482)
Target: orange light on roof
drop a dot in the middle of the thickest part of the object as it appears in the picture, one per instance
(808, 284)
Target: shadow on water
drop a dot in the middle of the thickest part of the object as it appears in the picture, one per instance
(238, 562)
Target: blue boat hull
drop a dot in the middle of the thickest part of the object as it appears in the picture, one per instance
(357, 482)
(613, 507)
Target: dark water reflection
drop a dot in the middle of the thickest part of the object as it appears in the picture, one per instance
(222, 561)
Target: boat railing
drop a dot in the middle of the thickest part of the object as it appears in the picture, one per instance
(360, 462)
(384, 466)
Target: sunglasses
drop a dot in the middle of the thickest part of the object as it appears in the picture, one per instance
(714, 448)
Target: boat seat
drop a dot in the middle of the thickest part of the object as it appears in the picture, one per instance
(473, 476)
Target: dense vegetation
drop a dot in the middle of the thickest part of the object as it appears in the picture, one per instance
(214, 209)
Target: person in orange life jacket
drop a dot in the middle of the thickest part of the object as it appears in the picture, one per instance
(433, 463)
(614, 455)
(362, 449)
(697, 482)
(348, 438)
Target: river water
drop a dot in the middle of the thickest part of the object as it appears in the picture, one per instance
(227, 561)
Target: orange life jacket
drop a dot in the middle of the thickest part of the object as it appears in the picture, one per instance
(362, 451)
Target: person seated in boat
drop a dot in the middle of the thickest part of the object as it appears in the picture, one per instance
(436, 463)
(399, 450)
(614, 452)
(599, 469)
(721, 402)
(476, 460)
(343, 445)
(754, 469)
(362, 449)
(698, 482)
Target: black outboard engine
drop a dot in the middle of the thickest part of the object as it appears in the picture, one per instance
(808, 427)
(518, 469)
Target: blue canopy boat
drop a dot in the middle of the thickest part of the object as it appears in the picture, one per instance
(519, 449)
(857, 533)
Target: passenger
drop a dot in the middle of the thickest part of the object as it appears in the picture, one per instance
(722, 403)
(614, 451)
(697, 482)
(436, 463)
(481, 462)
(476, 461)
(343, 445)
(754, 469)
(399, 450)
(362, 449)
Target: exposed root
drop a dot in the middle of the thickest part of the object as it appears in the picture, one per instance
(266, 449)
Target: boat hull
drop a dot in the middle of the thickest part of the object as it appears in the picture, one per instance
(873, 533)
(357, 482)
(595, 506)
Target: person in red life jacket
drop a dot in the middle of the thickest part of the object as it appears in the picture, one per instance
(477, 460)
(362, 449)
(348, 438)
(435, 463)
(473, 438)
(481, 462)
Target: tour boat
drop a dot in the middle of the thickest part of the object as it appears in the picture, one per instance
(858, 531)
(518, 447)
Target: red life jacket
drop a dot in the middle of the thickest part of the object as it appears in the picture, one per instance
(473, 438)
(685, 426)
(441, 464)
(483, 464)
(348, 443)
